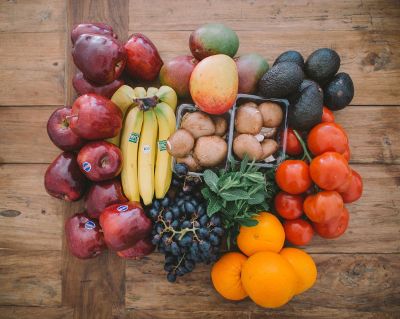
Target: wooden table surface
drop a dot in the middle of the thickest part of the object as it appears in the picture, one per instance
(359, 274)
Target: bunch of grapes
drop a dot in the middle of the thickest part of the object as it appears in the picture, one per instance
(182, 230)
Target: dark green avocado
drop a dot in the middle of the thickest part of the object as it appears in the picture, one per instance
(281, 80)
(339, 92)
(305, 84)
(322, 65)
(291, 56)
(305, 110)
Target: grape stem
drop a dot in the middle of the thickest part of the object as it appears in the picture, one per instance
(180, 261)
(181, 233)
(303, 145)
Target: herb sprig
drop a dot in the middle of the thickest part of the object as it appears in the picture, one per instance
(239, 194)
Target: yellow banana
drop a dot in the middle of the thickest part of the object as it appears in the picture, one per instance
(168, 113)
(151, 91)
(146, 157)
(163, 171)
(123, 98)
(168, 95)
(140, 92)
(129, 148)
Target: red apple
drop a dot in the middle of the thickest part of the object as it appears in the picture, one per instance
(94, 28)
(100, 58)
(63, 178)
(95, 117)
(142, 248)
(60, 132)
(176, 74)
(124, 225)
(100, 160)
(83, 86)
(102, 195)
(144, 61)
(84, 236)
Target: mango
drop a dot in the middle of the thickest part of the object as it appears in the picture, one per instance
(251, 67)
(176, 74)
(211, 39)
(214, 84)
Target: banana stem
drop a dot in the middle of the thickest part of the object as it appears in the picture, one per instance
(146, 103)
(303, 145)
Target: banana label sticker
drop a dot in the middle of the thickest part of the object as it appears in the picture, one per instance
(122, 208)
(86, 167)
(146, 149)
(134, 137)
(162, 145)
(90, 225)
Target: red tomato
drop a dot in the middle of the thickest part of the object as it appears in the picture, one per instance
(347, 154)
(329, 170)
(323, 206)
(298, 232)
(293, 176)
(327, 137)
(293, 146)
(354, 189)
(335, 227)
(289, 206)
(327, 115)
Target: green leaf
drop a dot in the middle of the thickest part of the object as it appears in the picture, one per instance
(256, 198)
(213, 207)
(206, 192)
(248, 222)
(234, 194)
(211, 179)
(243, 164)
(255, 177)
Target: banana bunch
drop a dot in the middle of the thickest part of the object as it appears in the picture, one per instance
(147, 166)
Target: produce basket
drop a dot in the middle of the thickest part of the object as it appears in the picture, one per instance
(281, 153)
(182, 110)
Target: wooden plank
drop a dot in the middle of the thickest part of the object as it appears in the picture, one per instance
(29, 218)
(36, 76)
(362, 283)
(368, 56)
(373, 135)
(13, 312)
(177, 314)
(262, 15)
(30, 278)
(32, 16)
(95, 288)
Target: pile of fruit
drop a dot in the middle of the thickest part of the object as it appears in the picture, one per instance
(251, 171)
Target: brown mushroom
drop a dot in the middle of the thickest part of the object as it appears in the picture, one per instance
(190, 162)
(221, 125)
(269, 147)
(180, 143)
(210, 150)
(247, 144)
(248, 120)
(269, 132)
(272, 114)
(198, 124)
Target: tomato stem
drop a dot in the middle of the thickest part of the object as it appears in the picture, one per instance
(303, 145)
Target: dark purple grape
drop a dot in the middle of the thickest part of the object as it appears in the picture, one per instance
(171, 277)
(175, 249)
(181, 169)
(218, 231)
(214, 240)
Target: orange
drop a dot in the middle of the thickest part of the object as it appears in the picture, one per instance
(303, 265)
(269, 279)
(267, 235)
(225, 276)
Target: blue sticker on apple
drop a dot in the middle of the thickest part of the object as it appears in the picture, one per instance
(86, 167)
(90, 225)
(122, 208)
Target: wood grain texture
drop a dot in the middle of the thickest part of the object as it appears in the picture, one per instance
(13, 312)
(362, 282)
(368, 56)
(23, 136)
(250, 15)
(30, 278)
(32, 16)
(29, 218)
(95, 288)
(32, 68)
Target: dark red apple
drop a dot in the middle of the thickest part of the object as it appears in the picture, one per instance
(100, 160)
(176, 74)
(142, 248)
(124, 225)
(102, 195)
(94, 117)
(94, 28)
(100, 58)
(60, 132)
(144, 61)
(63, 178)
(84, 236)
(83, 86)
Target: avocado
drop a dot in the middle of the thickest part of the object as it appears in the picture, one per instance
(305, 84)
(339, 92)
(306, 110)
(291, 56)
(281, 80)
(322, 65)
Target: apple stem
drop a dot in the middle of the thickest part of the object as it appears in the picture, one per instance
(146, 103)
